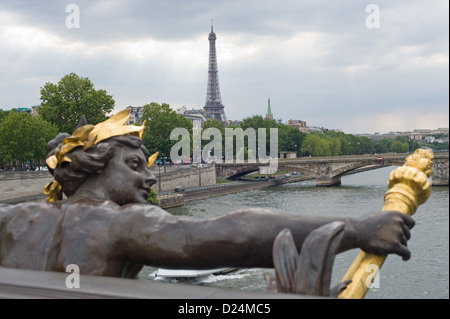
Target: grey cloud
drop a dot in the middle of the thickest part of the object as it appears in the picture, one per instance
(316, 59)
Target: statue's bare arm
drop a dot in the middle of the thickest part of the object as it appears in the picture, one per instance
(149, 235)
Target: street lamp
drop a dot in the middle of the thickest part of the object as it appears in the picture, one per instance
(164, 157)
(159, 182)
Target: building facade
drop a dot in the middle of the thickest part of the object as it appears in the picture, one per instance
(298, 124)
(135, 115)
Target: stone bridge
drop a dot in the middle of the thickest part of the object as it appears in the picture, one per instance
(328, 171)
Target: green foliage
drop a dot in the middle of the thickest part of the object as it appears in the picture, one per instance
(214, 123)
(24, 138)
(161, 120)
(222, 180)
(398, 147)
(290, 138)
(3, 114)
(380, 148)
(316, 145)
(153, 196)
(256, 122)
(334, 144)
(413, 145)
(401, 144)
(64, 103)
(354, 145)
(435, 146)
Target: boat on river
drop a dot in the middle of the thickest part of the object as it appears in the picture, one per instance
(174, 275)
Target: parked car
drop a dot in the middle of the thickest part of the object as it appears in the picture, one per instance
(271, 176)
(178, 189)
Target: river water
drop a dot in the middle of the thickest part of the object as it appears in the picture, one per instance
(425, 275)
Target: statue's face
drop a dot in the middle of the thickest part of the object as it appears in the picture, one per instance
(126, 178)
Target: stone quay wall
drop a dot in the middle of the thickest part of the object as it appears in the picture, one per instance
(15, 186)
(184, 178)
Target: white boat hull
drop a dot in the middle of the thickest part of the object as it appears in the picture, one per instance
(187, 274)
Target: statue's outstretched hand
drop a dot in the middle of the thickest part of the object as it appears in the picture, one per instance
(385, 233)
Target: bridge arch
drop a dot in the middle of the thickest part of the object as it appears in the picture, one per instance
(328, 171)
(235, 170)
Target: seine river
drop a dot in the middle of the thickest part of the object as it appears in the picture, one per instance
(425, 275)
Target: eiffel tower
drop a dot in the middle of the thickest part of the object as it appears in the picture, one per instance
(213, 108)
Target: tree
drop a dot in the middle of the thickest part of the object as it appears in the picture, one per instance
(413, 145)
(334, 143)
(399, 147)
(386, 142)
(3, 114)
(257, 122)
(380, 148)
(366, 145)
(24, 138)
(290, 138)
(153, 196)
(315, 145)
(161, 120)
(213, 123)
(64, 103)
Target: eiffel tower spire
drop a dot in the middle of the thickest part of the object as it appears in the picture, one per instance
(213, 108)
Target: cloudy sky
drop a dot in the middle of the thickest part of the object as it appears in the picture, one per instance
(335, 64)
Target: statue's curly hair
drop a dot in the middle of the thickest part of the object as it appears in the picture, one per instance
(85, 163)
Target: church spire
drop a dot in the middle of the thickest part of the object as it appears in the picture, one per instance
(269, 114)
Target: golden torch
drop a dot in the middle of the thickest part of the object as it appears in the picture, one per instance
(409, 187)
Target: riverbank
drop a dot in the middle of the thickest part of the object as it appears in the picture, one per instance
(168, 200)
(172, 199)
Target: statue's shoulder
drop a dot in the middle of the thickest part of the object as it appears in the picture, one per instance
(5, 210)
(89, 207)
(109, 209)
(29, 211)
(148, 210)
(43, 206)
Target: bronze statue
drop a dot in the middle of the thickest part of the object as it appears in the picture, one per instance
(107, 228)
